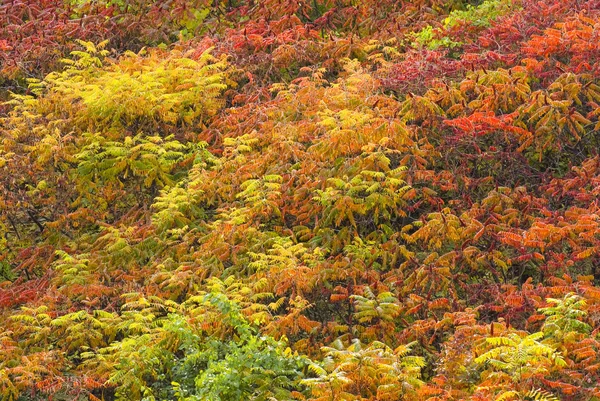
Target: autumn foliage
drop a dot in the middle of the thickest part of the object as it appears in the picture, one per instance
(285, 200)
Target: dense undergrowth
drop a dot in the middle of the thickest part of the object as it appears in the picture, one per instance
(285, 200)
